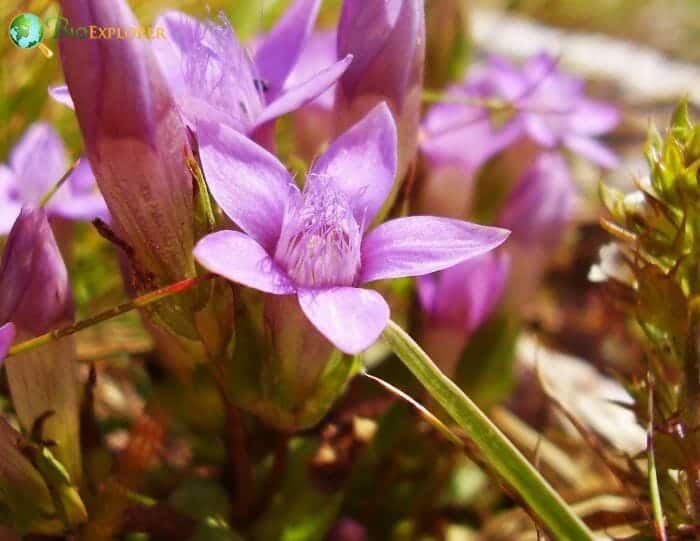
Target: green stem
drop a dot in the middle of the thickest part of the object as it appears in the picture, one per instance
(47, 197)
(138, 302)
(499, 452)
(654, 493)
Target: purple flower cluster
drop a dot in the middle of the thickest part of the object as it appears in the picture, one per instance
(203, 95)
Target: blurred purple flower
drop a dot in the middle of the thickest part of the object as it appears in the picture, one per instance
(313, 243)
(346, 529)
(547, 105)
(542, 202)
(537, 211)
(134, 138)
(553, 108)
(457, 138)
(7, 334)
(463, 296)
(457, 301)
(36, 163)
(387, 41)
(213, 77)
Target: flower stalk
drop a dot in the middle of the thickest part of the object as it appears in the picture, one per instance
(500, 453)
(139, 302)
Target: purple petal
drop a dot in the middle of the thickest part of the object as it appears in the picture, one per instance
(508, 80)
(38, 161)
(592, 150)
(248, 183)
(350, 317)
(209, 72)
(78, 198)
(419, 245)
(84, 207)
(7, 334)
(362, 163)
(298, 96)
(9, 210)
(593, 117)
(280, 50)
(319, 53)
(9, 205)
(62, 95)
(184, 34)
(540, 130)
(238, 258)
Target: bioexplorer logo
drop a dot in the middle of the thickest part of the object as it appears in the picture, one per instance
(27, 31)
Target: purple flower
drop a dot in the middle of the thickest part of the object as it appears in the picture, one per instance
(213, 77)
(457, 301)
(313, 243)
(460, 133)
(553, 108)
(7, 334)
(463, 296)
(538, 210)
(387, 41)
(542, 202)
(545, 104)
(134, 138)
(36, 163)
(35, 296)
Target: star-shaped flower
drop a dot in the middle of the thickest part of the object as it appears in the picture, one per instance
(314, 243)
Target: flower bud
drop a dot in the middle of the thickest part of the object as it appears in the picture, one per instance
(457, 301)
(537, 211)
(134, 138)
(35, 296)
(387, 41)
(137, 144)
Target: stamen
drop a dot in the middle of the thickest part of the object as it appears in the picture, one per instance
(320, 241)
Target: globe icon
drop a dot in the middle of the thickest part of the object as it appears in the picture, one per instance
(26, 30)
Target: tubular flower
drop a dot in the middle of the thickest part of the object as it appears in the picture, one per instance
(35, 297)
(453, 164)
(538, 209)
(134, 138)
(387, 41)
(314, 242)
(36, 163)
(212, 76)
(457, 301)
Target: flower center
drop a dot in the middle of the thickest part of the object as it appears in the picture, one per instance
(320, 241)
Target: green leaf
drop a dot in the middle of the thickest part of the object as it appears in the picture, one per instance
(551, 510)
